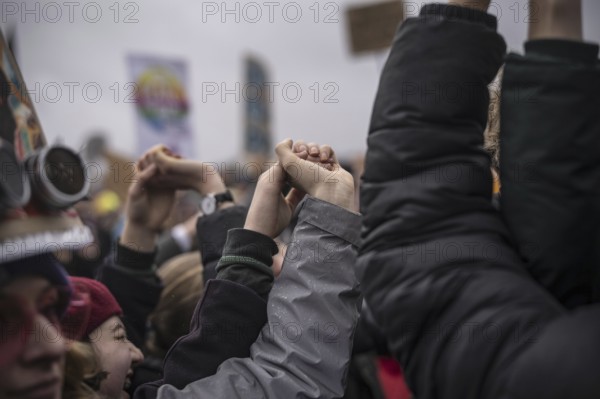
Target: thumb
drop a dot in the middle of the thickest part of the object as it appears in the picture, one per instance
(291, 163)
(162, 161)
(284, 152)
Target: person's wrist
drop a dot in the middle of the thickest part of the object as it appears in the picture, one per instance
(257, 228)
(138, 237)
(556, 19)
(225, 205)
(481, 5)
(336, 194)
(211, 184)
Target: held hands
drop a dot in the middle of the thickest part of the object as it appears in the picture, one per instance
(150, 199)
(325, 179)
(309, 168)
(178, 173)
(146, 209)
(270, 212)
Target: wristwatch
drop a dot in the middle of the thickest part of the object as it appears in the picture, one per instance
(210, 202)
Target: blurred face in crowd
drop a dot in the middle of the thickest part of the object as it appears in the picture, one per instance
(32, 350)
(117, 356)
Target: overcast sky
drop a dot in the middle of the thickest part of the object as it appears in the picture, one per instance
(310, 54)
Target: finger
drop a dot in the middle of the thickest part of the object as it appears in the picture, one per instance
(313, 149)
(289, 161)
(284, 152)
(294, 197)
(163, 161)
(300, 146)
(154, 149)
(326, 152)
(303, 155)
(313, 158)
(142, 178)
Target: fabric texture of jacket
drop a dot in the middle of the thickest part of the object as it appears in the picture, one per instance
(304, 349)
(439, 269)
(550, 165)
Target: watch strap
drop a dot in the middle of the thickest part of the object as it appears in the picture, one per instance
(224, 197)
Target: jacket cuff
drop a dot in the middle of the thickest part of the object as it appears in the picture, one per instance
(212, 231)
(247, 259)
(460, 13)
(567, 50)
(248, 243)
(134, 260)
(331, 218)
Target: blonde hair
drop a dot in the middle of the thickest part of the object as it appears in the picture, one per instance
(491, 135)
(183, 287)
(82, 372)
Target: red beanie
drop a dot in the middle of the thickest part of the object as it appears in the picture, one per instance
(91, 305)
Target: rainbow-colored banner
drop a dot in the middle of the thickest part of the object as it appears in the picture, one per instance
(162, 104)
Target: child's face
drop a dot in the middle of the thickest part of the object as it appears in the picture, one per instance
(33, 350)
(117, 356)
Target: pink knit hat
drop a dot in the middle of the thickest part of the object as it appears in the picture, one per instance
(91, 305)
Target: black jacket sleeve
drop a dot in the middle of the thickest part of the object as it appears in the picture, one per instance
(229, 317)
(212, 234)
(550, 169)
(452, 296)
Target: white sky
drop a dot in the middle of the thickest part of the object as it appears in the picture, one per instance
(304, 53)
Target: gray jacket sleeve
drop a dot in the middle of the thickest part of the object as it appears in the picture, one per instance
(304, 349)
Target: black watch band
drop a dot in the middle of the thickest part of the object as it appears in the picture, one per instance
(224, 197)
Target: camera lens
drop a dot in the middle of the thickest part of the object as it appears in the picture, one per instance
(14, 186)
(58, 177)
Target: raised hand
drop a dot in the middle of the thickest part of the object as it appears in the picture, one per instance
(178, 173)
(146, 210)
(555, 19)
(324, 180)
(270, 212)
(312, 152)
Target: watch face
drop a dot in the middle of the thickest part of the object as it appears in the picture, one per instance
(208, 205)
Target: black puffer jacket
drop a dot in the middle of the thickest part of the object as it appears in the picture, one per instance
(550, 165)
(453, 297)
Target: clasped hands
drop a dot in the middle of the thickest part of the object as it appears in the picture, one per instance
(309, 168)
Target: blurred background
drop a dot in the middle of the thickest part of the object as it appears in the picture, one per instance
(74, 58)
(79, 58)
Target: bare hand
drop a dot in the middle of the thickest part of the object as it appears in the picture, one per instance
(178, 173)
(148, 206)
(270, 212)
(327, 181)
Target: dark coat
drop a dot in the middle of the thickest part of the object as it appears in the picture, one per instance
(440, 272)
(550, 165)
(225, 324)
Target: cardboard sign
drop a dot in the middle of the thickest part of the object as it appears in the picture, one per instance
(372, 27)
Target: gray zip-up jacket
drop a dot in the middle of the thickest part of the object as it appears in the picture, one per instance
(304, 349)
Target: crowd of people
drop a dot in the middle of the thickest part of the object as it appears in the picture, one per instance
(473, 293)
